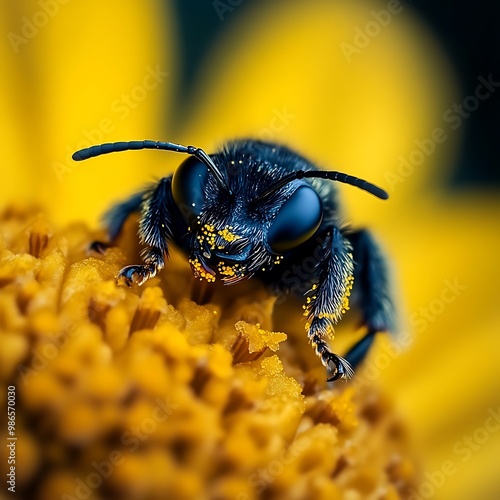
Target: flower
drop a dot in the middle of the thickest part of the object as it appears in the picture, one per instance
(281, 74)
(120, 394)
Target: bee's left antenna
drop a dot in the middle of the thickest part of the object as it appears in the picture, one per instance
(327, 174)
(113, 147)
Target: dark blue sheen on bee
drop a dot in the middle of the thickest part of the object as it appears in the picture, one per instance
(262, 219)
(297, 220)
(188, 187)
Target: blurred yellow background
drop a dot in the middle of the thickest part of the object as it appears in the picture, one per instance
(361, 87)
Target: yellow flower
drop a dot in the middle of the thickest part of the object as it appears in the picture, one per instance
(119, 394)
(90, 72)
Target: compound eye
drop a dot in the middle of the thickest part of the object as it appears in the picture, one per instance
(297, 220)
(188, 187)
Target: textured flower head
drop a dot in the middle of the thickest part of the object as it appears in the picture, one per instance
(144, 393)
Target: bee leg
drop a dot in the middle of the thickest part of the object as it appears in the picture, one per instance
(372, 282)
(134, 274)
(154, 231)
(358, 351)
(329, 299)
(338, 366)
(99, 246)
(114, 219)
(141, 273)
(116, 216)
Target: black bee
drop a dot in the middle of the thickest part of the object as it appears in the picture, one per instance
(259, 209)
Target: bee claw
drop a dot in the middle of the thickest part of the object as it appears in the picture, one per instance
(133, 274)
(342, 367)
(99, 246)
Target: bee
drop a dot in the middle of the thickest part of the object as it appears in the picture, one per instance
(256, 209)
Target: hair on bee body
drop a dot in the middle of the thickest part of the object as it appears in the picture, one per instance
(256, 209)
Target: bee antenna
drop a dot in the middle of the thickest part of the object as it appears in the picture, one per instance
(113, 147)
(331, 175)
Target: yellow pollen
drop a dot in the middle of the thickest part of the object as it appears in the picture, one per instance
(199, 271)
(226, 270)
(228, 235)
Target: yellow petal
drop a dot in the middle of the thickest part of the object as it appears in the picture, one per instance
(80, 73)
(283, 75)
